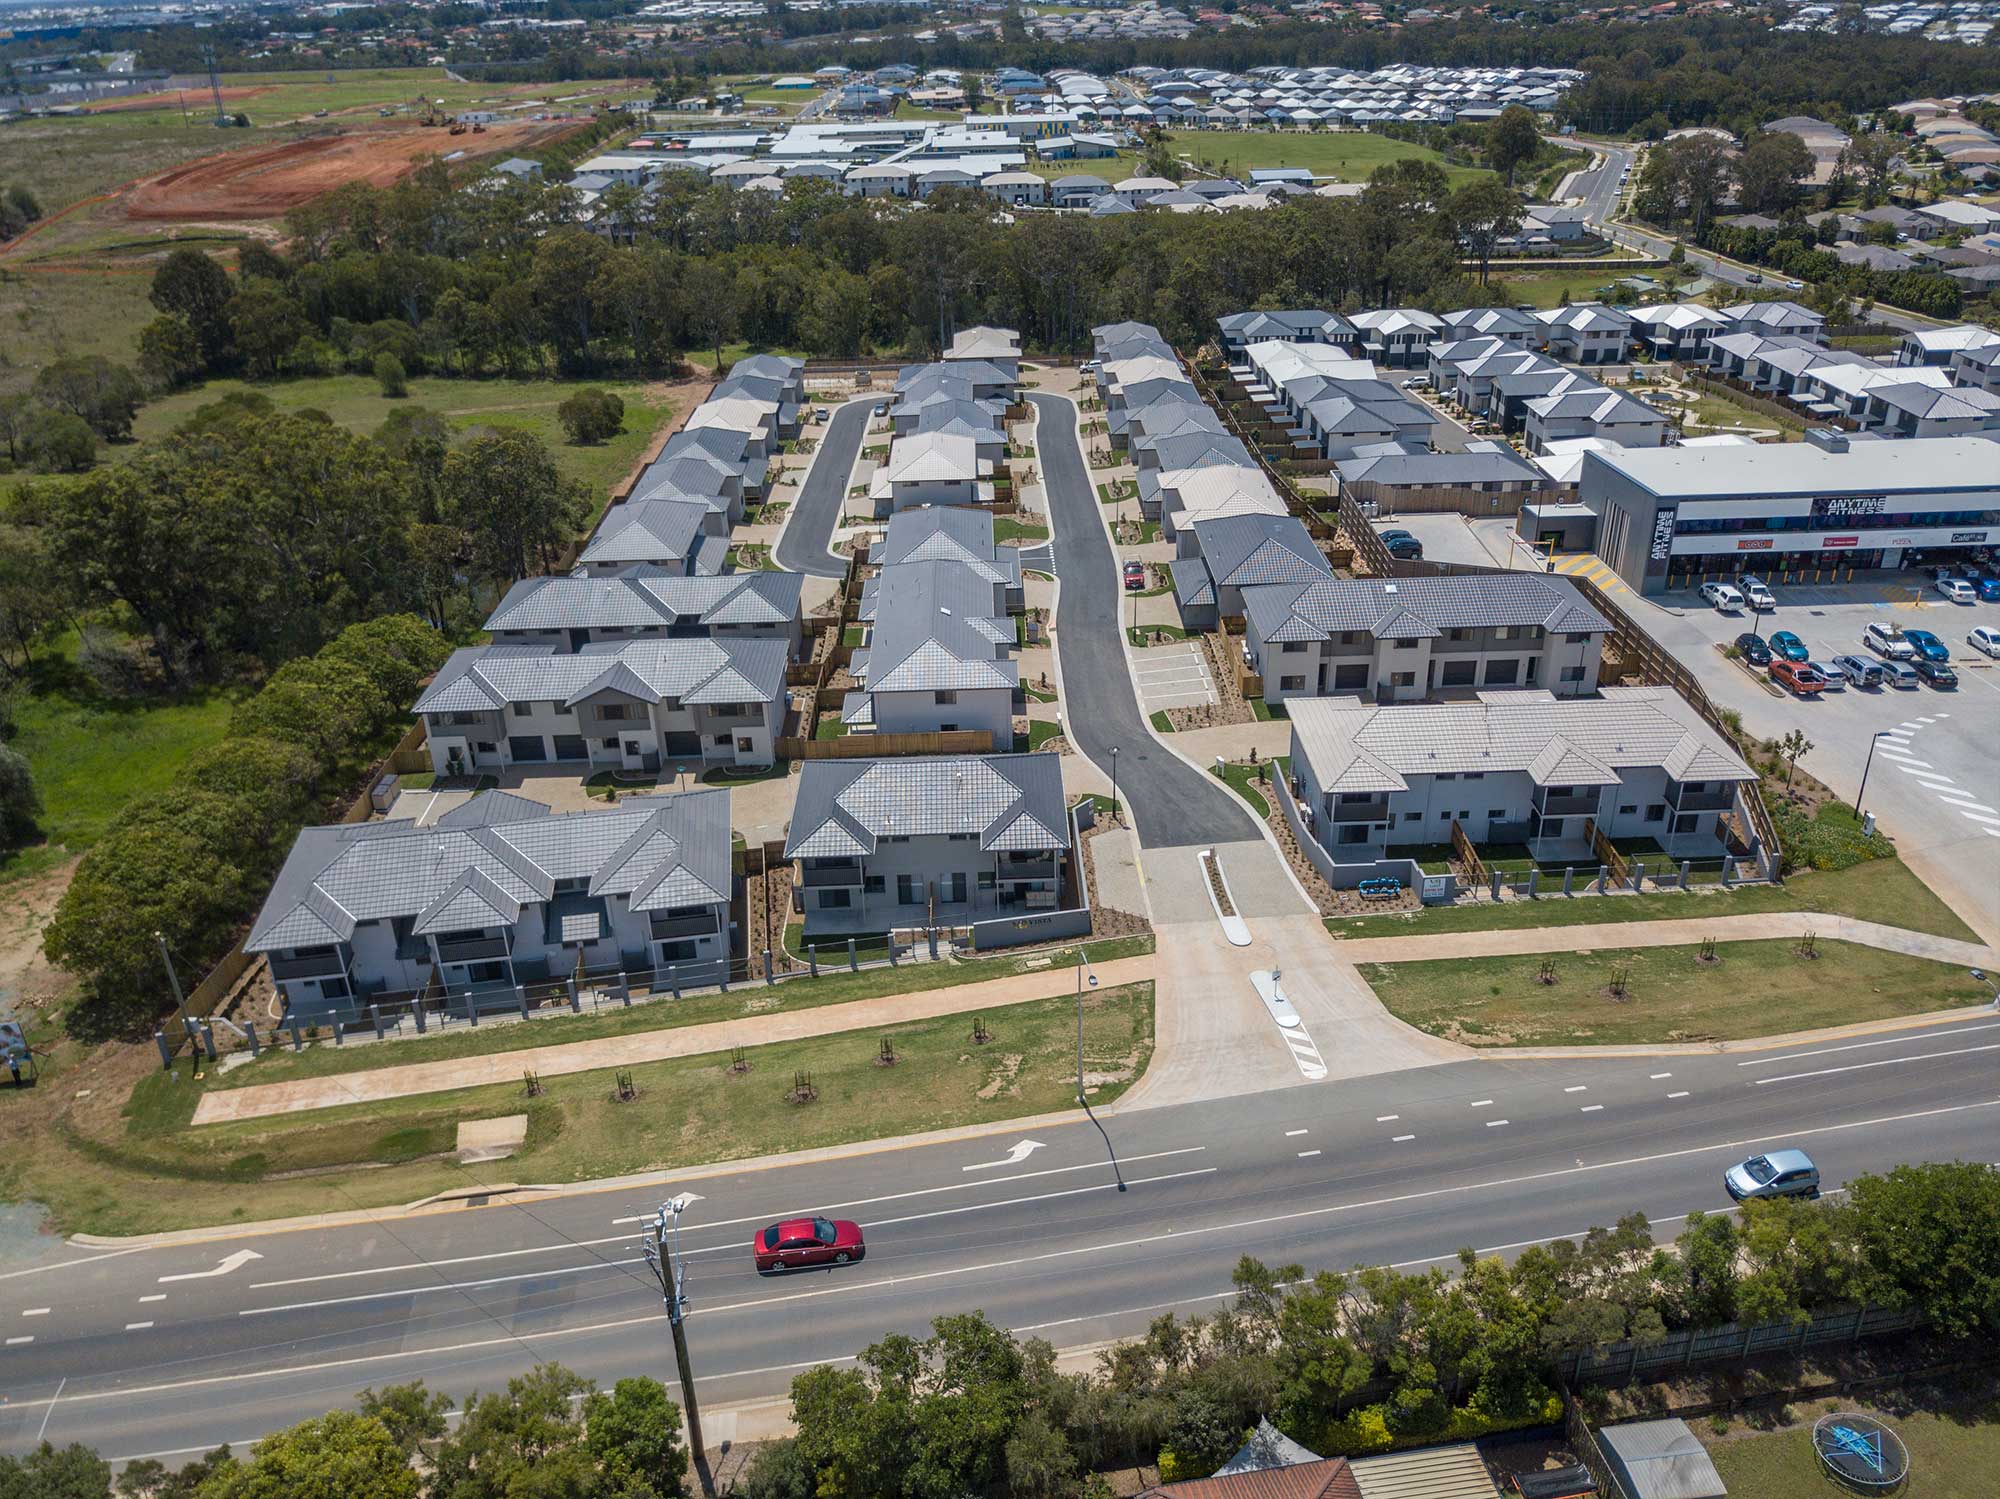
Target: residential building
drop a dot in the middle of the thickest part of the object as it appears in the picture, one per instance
(1399, 337)
(1775, 320)
(1486, 474)
(1186, 496)
(953, 533)
(999, 347)
(1940, 346)
(930, 468)
(1595, 413)
(1677, 330)
(1239, 330)
(670, 536)
(936, 657)
(1588, 333)
(633, 705)
(1217, 559)
(499, 892)
(1515, 768)
(1509, 325)
(883, 845)
(1927, 411)
(578, 609)
(1405, 640)
(1977, 368)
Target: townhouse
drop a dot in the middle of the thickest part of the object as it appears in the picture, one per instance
(1509, 325)
(936, 657)
(930, 468)
(1465, 369)
(952, 533)
(1399, 337)
(1393, 479)
(1676, 330)
(998, 347)
(1216, 560)
(1940, 346)
(631, 705)
(1405, 640)
(1927, 411)
(1780, 319)
(575, 610)
(1515, 768)
(1587, 333)
(886, 845)
(1181, 498)
(684, 537)
(1595, 413)
(1239, 330)
(499, 892)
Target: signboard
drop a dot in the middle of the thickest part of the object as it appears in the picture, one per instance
(1663, 540)
(1837, 507)
(1756, 544)
(1967, 538)
(1827, 543)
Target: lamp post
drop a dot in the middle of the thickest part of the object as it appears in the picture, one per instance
(671, 1268)
(1082, 1098)
(1986, 978)
(1863, 789)
(1115, 817)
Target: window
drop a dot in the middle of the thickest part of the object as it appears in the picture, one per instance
(946, 699)
(1291, 684)
(1402, 679)
(1503, 673)
(463, 720)
(1685, 823)
(1465, 814)
(521, 710)
(874, 884)
(1417, 816)
(962, 837)
(1577, 637)
(1354, 798)
(610, 743)
(1628, 809)
(611, 712)
(1657, 812)
(1294, 645)
(897, 838)
(1449, 775)
(1496, 814)
(1572, 674)
(1406, 643)
(834, 899)
(1475, 775)
(907, 890)
(1353, 832)
(987, 879)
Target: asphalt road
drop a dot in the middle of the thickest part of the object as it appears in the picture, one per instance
(1172, 804)
(803, 548)
(169, 1351)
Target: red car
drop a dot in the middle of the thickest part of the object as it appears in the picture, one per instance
(1135, 576)
(799, 1242)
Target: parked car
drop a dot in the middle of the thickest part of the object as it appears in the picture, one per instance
(1888, 642)
(1776, 1173)
(1834, 678)
(1988, 588)
(1396, 533)
(1985, 640)
(1958, 590)
(1929, 647)
(1135, 576)
(1859, 670)
(1417, 382)
(881, 408)
(1757, 592)
(1408, 548)
(1785, 643)
(1722, 596)
(1936, 673)
(796, 1243)
(1802, 677)
(1900, 674)
(1753, 649)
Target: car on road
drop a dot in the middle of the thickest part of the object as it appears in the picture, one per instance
(1858, 670)
(1802, 677)
(1776, 1173)
(1785, 643)
(1753, 649)
(1929, 647)
(1985, 640)
(1958, 590)
(1757, 592)
(799, 1243)
(1888, 642)
(1755, 278)
(1795, 286)
(1936, 673)
(1722, 596)
(1135, 576)
(1900, 674)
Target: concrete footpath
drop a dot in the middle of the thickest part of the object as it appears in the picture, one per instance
(262, 1100)
(1596, 937)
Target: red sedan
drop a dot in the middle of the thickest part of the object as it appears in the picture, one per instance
(800, 1242)
(1135, 576)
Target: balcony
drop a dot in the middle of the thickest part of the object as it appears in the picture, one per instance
(831, 876)
(1706, 801)
(321, 966)
(1027, 869)
(1375, 809)
(1577, 805)
(667, 927)
(471, 949)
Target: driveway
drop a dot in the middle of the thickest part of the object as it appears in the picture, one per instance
(803, 546)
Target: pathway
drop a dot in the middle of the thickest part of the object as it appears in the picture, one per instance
(1749, 927)
(803, 546)
(262, 1100)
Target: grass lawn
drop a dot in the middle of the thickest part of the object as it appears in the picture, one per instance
(1142, 635)
(1954, 1448)
(731, 353)
(1041, 731)
(1881, 890)
(49, 313)
(1012, 532)
(1547, 288)
(1159, 720)
(1756, 989)
(137, 1172)
(1713, 410)
(1242, 779)
(1345, 155)
(92, 755)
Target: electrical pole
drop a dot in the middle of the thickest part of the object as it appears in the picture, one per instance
(672, 1270)
(173, 978)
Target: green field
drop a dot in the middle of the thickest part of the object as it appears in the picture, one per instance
(1753, 989)
(1343, 155)
(50, 314)
(1954, 1447)
(1551, 288)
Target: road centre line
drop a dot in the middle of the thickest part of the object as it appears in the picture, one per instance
(1480, 1103)
(1677, 1095)
(137, 1326)
(17, 1341)
(1656, 1076)
(128, 1392)
(1292, 1133)
(1399, 1139)
(1591, 1108)
(1306, 1155)
(501, 1280)
(156, 1296)
(1387, 1118)
(1495, 1123)
(36, 1311)
(1796, 1056)
(1577, 1088)
(1924, 1056)
(760, 1218)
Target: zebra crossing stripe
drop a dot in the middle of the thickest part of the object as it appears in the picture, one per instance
(1305, 1053)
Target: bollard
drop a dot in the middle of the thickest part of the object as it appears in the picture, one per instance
(521, 999)
(770, 977)
(1686, 865)
(166, 1052)
(208, 1039)
(471, 1009)
(1603, 877)
(853, 964)
(812, 959)
(250, 1035)
(1728, 871)
(1496, 878)
(624, 991)
(292, 1021)
(674, 979)
(1569, 877)
(375, 1014)
(339, 1032)
(1534, 881)
(417, 1010)
(1638, 874)
(575, 999)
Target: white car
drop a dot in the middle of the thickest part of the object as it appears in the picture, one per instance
(1985, 640)
(1958, 590)
(1758, 592)
(1722, 595)
(1887, 642)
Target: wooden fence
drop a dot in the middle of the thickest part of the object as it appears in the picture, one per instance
(864, 746)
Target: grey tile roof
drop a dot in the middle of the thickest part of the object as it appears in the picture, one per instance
(1011, 802)
(1245, 550)
(1312, 611)
(1487, 466)
(948, 533)
(479, 679)
(647, 531)
(1590, 738)
(648, 600)
(1601, 406)
(1193, 587)
(1200, 448)
(691, 474)
(931, 633)
(1287, 326)
(1471, 322)
(475, 871)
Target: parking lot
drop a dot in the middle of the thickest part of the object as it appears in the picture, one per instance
(1172, 676)
(1935, 780)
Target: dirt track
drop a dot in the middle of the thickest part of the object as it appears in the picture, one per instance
(197, 97)
(265, 183)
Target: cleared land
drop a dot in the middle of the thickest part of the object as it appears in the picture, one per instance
(1668, 994)
(1342, 155)
(135, 1166)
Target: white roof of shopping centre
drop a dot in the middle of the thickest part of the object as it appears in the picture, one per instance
(1912, 464)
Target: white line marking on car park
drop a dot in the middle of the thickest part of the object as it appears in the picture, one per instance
(1306, 1155)
(1387, 1118)
(1591, 1108)
(1656, 1076)
(1480, 1103)
(1979, 817)
(156, 1296)
(1677, 1095)
(1577, 1088)
(1966, 801)
(15, 1342)
(36, 1311)
(1495, 1123)
(137, 1326)
(1896, 759)
(1291, 1132)
(1399, 1139)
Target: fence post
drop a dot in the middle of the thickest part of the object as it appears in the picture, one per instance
(521, 999)
(1603, 877)
(1569, 878)
(339, 1032)
(623, 989)
(1534, 881)
(893, 960)
(208, 1039)
(931, 933)
(166, 1052)
(417, 1012)
(812, 959)
(853, 962)
(724, 973)
(250, 1035)
(471, 1008)
(292, 1021)
(575, 998)
(375, 1015)
(769, 977)
(674, 979)
(1638, 875)
(1728, 870)
(1686, 866)
(1496, 883)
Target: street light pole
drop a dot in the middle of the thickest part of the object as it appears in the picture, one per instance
(1114, 785)
(1863, 790)
(1082, 1098)
(671, 1268)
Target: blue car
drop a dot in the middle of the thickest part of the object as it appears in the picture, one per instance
(1929, 647)
(1784, 643)
(1989, 589)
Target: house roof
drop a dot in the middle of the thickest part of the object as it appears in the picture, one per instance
(1661, 1460)
(1244, 550)
(986, 343)
(1420, 606)
(931, 458)
(1780, 314)
(1600, 406)
(931, 632)
(479, 679)
(1249, 327)
(647, 531)
(1326, 1478)
(1584, 317)
(1493, 464)
(948, 533)
(472, 869)
(647, 600)
(1524, 731)
(1450, 1472)
(1011, 802)
(1790, 470)
(1473, 321)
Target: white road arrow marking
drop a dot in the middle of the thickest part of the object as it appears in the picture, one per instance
(235, 1261)
(1021, 1151)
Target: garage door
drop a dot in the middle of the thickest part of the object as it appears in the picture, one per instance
(522, 747)
(571, 747)
(683, 746)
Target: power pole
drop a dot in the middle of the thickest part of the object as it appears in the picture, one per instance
(665, 1258)
(214, 84)
(175, 979)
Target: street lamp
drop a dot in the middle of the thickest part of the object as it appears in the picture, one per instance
(1986, 978)
(671, 1269)
(1114, 784)
(1082, 1098)
(1863, 789)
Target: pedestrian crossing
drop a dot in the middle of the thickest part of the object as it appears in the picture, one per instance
(1589, 565)
(1896, 747)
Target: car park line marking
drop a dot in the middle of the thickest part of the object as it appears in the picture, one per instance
(1290, 1133)
(1591, 1108)
(137, 1326)
(1399, 1139)
(1495, 1123)
(1479, 1103)
(1577, 1088)
(36, 1311)
(1656, 1076)
(1681, 1094)
(1927, 776)
(156, 1296)
(1304, 1052)
(1387, 1118)
(1965, 801)
(1922, 1056)
(1799, 1056)
(16, 1342)
(1306, 1155)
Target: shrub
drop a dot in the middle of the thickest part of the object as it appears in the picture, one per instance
(20, 802)
(389, 374)
(591, 416)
